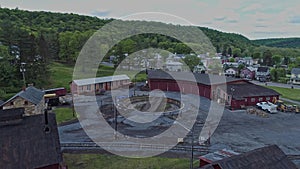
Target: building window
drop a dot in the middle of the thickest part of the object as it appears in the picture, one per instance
(268, 98)
(246, 100)
(25, 102)
(11, 103)
(260, 99)
(101, 85)
(81, 88)
(88, 87)
(252, 99)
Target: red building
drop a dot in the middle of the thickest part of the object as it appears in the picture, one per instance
(237, 93)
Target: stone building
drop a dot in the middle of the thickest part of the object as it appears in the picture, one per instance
(31, 99)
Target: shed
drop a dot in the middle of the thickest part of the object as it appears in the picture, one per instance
(95, 85)
(32, 99)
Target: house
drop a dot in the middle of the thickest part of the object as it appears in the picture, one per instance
(200, 69)
(31, 99)
(215, 156)
(246, 61)
(262, 158)
(262, 73)
(29, 142)
(233, 72)
(241, 95)
(97, 85)
(248, 73)
(230, 64)
(173, 66)
(295, 76)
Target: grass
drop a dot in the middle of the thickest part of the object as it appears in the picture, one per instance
(61, 75)
(95, 161)
(292, 94)
(64, 114)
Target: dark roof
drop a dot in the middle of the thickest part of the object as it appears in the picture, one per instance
(262, 158)
(262, 69)
(248, 90)
(295, 71)
(30, 94)
(10, 114)
(26, 145)
(207, 79)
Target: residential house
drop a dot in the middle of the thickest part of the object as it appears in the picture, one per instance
(233, 72)
(200, 69)
(97, 85)
(174, 66)
(295, 76)
(246, 61)
(31, 99)
(262, 158)
(262, 73)
(29, 142)
(248, 73)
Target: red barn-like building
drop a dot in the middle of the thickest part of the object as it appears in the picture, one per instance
(237, 93)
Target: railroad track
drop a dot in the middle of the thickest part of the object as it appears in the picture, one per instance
(132, 147)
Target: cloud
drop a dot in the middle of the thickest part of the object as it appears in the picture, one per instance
(232, 21)
(220, 18)
(101, 13)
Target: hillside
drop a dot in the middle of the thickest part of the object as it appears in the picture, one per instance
(279, 42)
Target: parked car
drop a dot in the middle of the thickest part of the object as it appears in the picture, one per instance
(267, 106)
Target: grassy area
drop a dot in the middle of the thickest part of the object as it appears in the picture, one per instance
(95, 161)
(293, 94)
(61, 75)
(64, 114)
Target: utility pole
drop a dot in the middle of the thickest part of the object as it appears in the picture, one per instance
(23, 70)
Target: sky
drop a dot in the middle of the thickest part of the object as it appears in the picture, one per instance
(255, 19)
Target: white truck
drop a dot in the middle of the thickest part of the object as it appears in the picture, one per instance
(267, 106)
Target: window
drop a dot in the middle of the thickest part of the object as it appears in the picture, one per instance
(11, 103)
(260, 99)
(268, 98)
(88, 87)
(25, 102)
(246, 100)
(81, 88)
(252, 99)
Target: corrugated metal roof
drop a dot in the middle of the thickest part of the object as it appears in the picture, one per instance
(89, 81)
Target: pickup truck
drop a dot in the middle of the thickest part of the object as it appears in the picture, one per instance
(267, 106)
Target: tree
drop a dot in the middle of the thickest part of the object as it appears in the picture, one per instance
(256, 55)
(229, 51)
(231, 60)
(277, 60)
(191, 61)
(237, 52)
(267, 57)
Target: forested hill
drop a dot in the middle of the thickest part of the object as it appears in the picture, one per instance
(39, 38)
(59, 23)
(279, 42)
